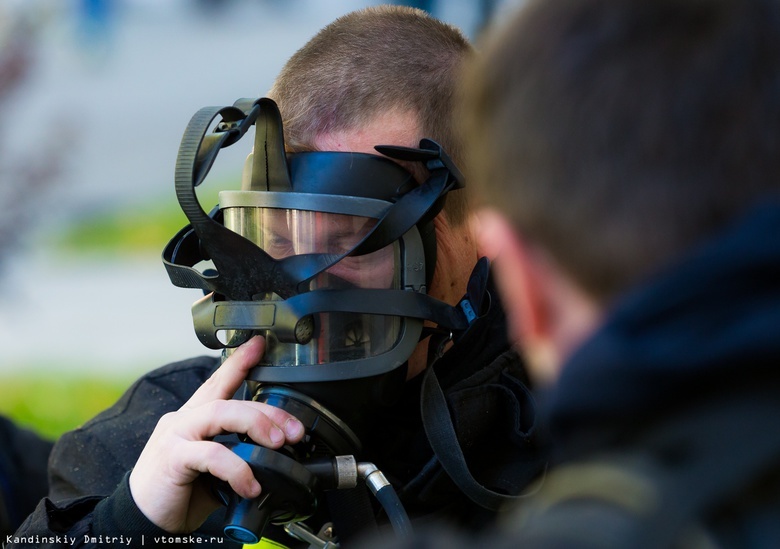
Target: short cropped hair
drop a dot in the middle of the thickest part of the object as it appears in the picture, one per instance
(616, 134)
(371, 61)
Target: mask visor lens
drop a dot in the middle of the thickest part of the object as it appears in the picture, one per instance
(338, 336)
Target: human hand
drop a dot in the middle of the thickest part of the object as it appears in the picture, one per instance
(166, 482)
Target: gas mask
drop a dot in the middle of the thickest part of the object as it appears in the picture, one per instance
(328, 256)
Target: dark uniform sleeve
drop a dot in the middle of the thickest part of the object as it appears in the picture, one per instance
(89, 522)
(93, 459)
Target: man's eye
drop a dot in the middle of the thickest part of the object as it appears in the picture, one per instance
(276, 245)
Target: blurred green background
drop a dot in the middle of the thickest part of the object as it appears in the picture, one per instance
(51, 403)
(50, 406)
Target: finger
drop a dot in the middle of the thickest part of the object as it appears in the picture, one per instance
(291, 425)
(224, 382)
(266, 425)
(221, 462)
(163, 485)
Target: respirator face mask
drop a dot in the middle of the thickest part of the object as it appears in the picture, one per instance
(311, 220)
(328, 255)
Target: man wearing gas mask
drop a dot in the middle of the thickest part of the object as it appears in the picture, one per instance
(340, 251)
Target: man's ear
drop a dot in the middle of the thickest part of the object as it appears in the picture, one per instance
(520, 279)
(548, 314)
(523, 280)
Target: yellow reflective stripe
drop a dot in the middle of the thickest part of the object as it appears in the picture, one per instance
(266, 543)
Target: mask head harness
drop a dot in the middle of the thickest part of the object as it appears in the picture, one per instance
(326, 254)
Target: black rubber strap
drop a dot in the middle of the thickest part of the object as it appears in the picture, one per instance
(444, 441)
(211, 316)
(419, 205)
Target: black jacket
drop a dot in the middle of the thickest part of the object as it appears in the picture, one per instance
(89, 494)
(681, 387)
(664, 423)
(23, 458)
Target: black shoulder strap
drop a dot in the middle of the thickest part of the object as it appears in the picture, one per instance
(436, 417)
(444, 441)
